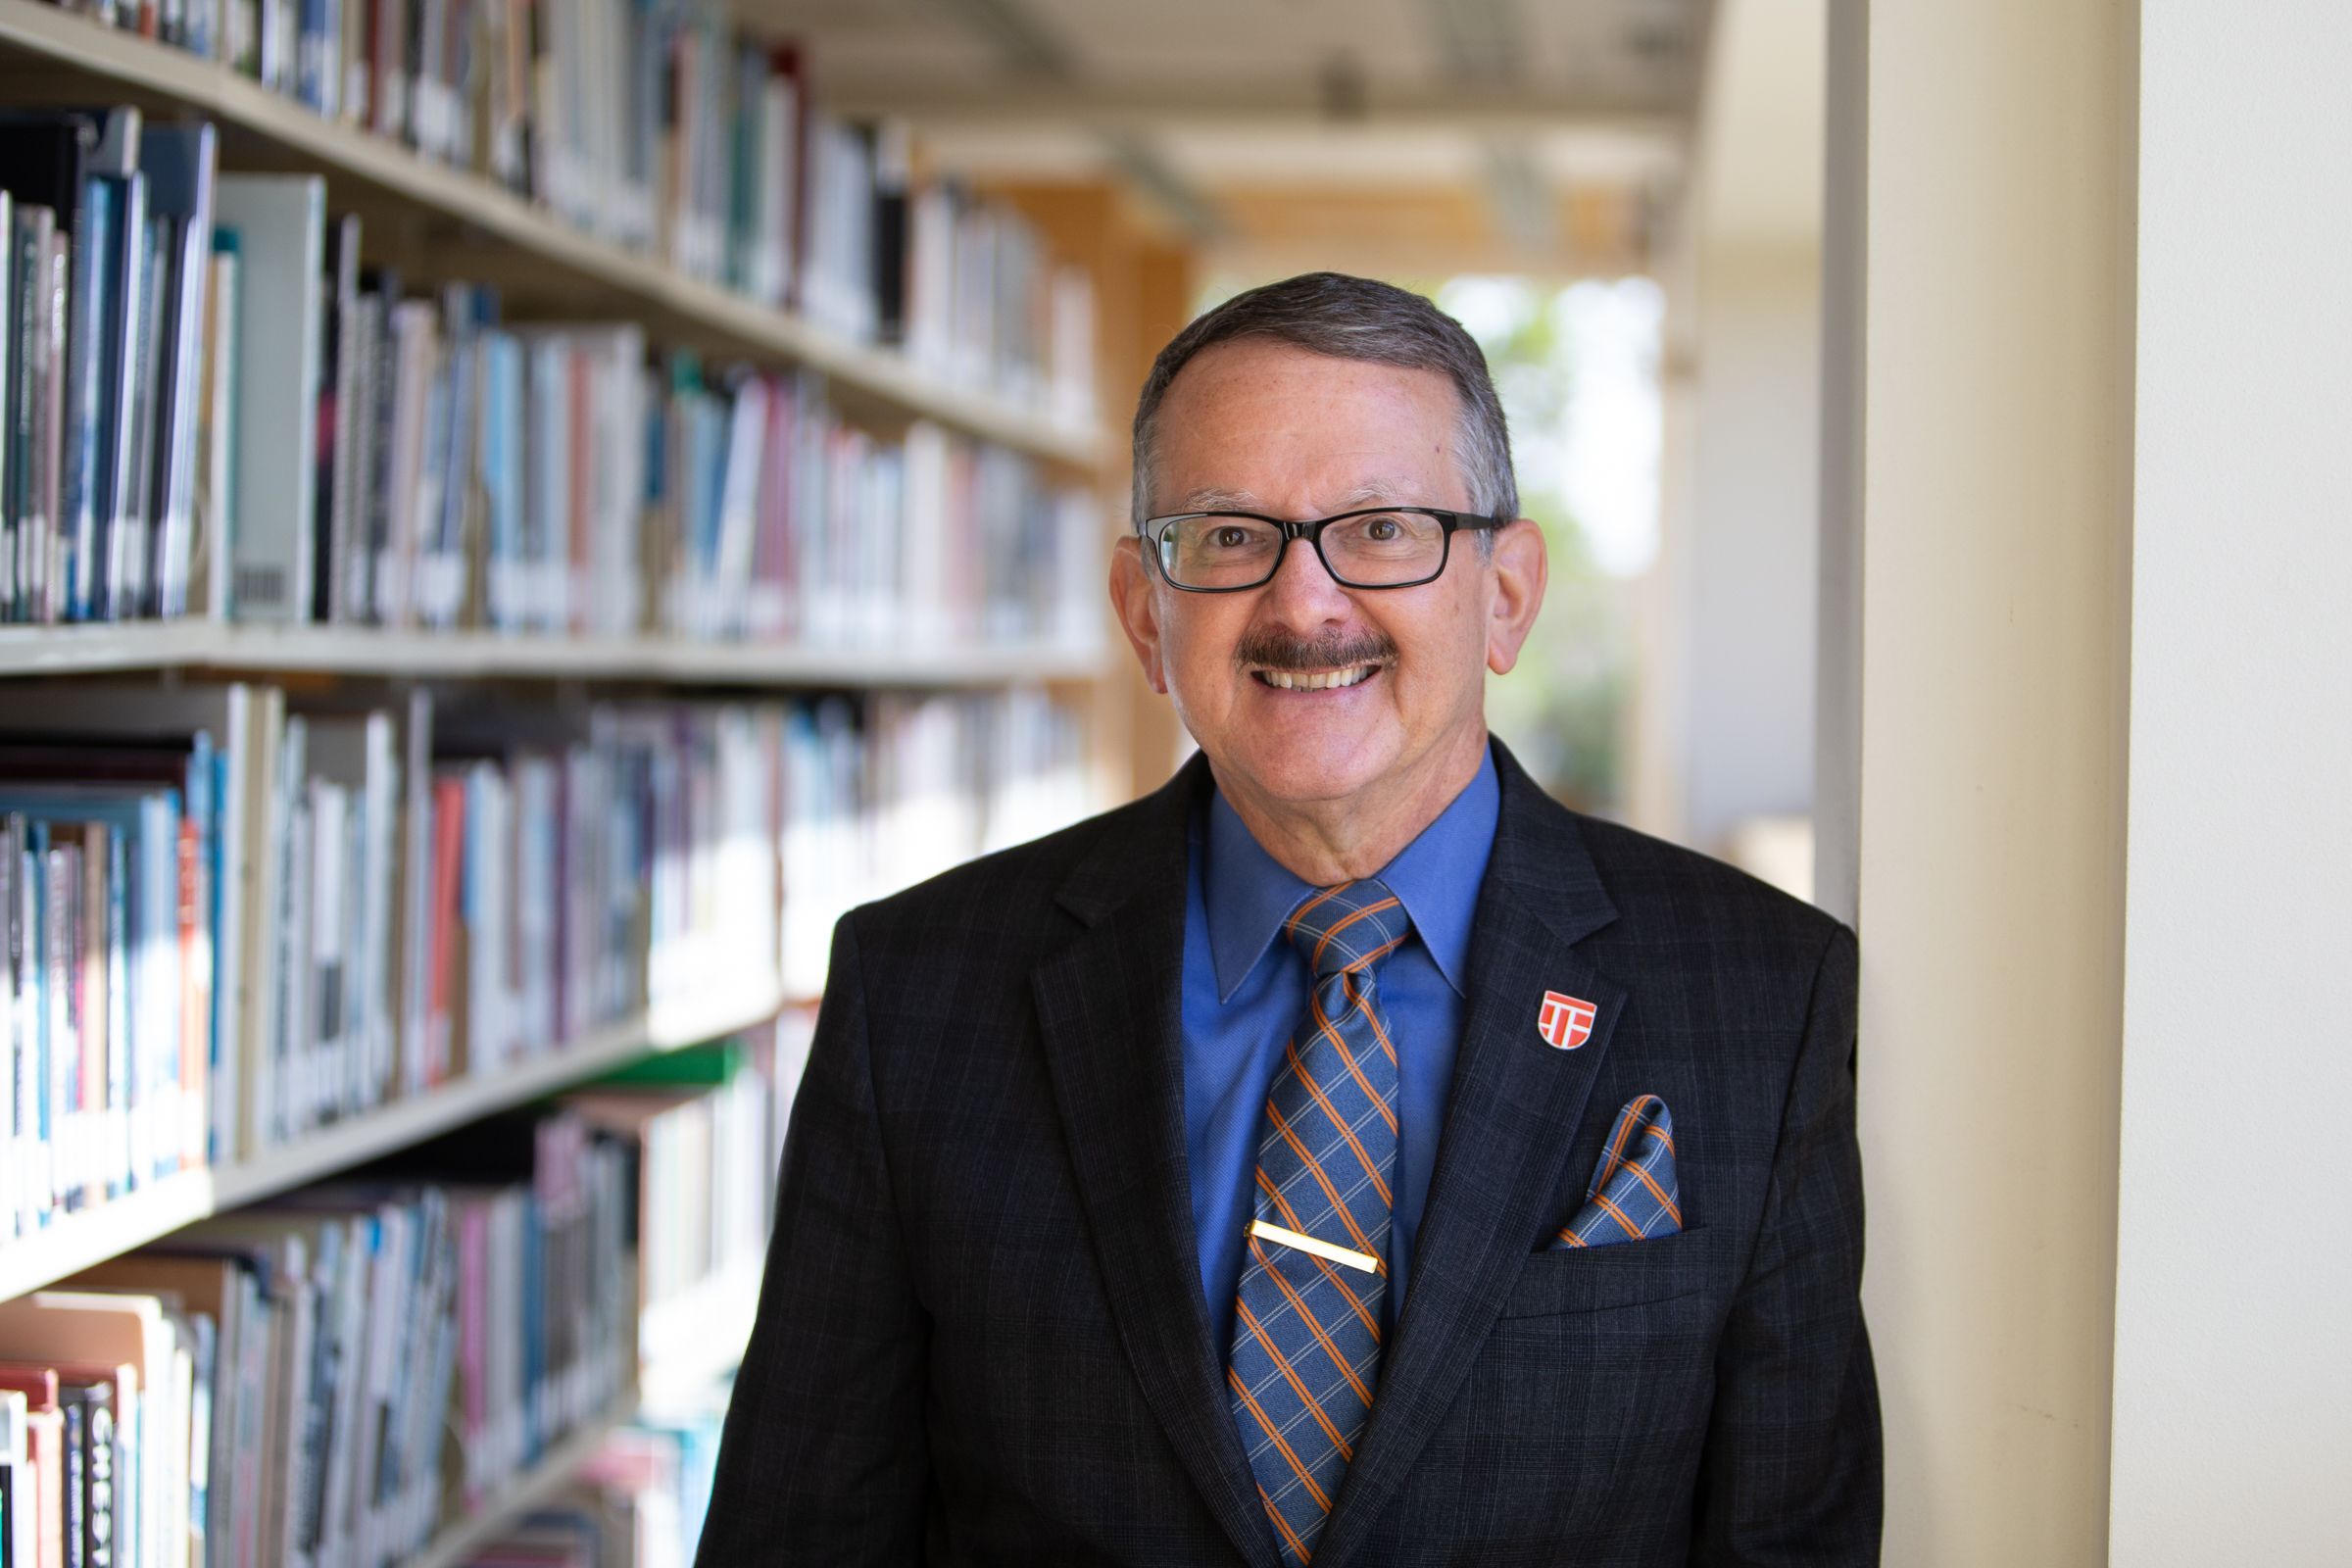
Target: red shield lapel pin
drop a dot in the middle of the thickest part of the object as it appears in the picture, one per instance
(1564, 1022)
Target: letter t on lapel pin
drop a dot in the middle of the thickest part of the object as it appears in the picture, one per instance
(1565, 1022)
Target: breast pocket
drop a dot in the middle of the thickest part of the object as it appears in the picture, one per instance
(1593, 1279)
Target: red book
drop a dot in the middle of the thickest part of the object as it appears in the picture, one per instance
(449, 871)
(47, 1425)
(195, 996)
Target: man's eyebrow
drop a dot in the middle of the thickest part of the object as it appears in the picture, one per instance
(1212, 499)
(1372, 492)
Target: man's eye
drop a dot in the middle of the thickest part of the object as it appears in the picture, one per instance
(1232, 538)
(1381, 529)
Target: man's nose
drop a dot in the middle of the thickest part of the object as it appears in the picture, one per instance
(1303, 593)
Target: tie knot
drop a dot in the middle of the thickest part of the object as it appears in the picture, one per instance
(1347, 928)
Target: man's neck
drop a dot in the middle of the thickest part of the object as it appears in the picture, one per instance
(1328, 842)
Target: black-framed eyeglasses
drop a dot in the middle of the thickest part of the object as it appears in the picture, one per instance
(1379, 546)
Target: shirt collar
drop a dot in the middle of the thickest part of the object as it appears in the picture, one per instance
(1249, 894)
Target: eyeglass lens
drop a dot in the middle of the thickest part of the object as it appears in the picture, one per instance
(1374, 550)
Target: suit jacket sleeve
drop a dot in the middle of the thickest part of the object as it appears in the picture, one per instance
(822, 1458)
(1792, 1472)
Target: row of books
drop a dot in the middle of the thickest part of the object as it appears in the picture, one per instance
(708, 1124)
(331, 1378)
(106, 293)
(775, 520)
(882, 794)
(667, 130)
(638, 1503)
(234, 916)
(237, 915)
(167, 327)
(708, 1128)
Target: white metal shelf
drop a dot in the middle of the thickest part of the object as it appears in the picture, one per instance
(83, 649)
(636, 285)
(696, 1337)
(73, 1243)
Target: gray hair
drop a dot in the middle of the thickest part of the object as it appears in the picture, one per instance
(1351, 318)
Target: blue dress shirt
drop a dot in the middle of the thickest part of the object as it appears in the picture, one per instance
(1244, 992)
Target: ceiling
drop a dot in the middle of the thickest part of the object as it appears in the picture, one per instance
(1540, 134)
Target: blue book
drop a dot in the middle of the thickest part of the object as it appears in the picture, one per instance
(143, 964)
(45, 158)
(512, 606)
(180, 163)
(114, 510)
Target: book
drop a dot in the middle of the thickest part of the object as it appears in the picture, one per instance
(280, 224)
(179, 162)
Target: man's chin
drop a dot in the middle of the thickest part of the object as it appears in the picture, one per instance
(1296, 779)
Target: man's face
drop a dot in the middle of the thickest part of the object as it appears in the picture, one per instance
(1253, 426)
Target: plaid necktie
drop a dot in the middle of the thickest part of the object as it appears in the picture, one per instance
(1306, 1330)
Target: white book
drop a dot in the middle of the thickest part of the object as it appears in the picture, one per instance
(739, 506)
(616, 469)
(415, 948)
(361, 755)
(326, 1027)
(284, 1052)
(416, 348)
(490, 857)
(213, 553)
(548, 506)
(280, 221)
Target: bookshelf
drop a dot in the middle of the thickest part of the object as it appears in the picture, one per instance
(442, 228)
(525, 1493)
(77, 57)
(29, 652)
(76, 1242)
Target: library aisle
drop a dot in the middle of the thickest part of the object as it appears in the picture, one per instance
(510, 521)
(513, 517)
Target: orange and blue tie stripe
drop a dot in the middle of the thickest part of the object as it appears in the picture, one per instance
(1307, 1333)
(1633, 1195)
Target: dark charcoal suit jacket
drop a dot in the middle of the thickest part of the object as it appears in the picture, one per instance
(981, 1337)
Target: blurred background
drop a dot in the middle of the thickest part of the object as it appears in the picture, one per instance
(1620, 199)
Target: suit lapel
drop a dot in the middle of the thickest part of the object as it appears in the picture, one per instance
(1109, 1009)
(1514, 1110)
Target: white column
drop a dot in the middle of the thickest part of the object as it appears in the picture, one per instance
(2233, 1314)
(1973, 605)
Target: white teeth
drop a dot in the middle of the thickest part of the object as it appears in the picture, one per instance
(1322, 681)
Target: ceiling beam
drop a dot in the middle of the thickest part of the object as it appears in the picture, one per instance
(1062, 104)
(1034, 53)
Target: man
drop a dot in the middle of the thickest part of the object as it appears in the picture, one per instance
(1343, 1153)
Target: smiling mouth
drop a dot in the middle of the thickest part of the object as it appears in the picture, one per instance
(1315, 680)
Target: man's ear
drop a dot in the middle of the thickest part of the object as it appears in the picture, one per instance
(1132, 596)
(1521, 567)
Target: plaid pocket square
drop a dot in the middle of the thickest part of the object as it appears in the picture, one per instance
(1634, 1196)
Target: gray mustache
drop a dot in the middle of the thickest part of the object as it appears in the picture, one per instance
(1293, 654)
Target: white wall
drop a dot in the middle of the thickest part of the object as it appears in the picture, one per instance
(1754, 519)
(2234, 1283)
(1729, 667)
(1974, 597)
